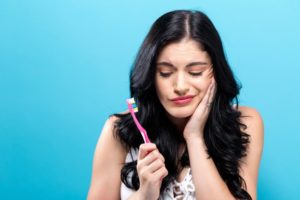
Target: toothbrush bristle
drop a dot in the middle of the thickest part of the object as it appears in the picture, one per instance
(135, 109)
(131, 101)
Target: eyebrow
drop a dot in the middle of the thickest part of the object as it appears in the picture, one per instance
(188, 65)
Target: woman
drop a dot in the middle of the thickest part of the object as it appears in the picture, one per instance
(204, 145)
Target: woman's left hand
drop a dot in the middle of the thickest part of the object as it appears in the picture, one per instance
(195, 126)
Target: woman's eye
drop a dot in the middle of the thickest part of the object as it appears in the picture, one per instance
(165, 74)
(196, 73)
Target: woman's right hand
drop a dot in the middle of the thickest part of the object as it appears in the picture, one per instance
(151, 171)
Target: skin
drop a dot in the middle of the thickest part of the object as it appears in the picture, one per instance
(189, 71)
(178, 60)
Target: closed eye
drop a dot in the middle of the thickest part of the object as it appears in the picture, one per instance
(165, 74)
(196, 73)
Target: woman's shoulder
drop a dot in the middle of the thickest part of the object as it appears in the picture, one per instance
(110, 128)
(249, 114)
(108, 134)
(109, 157)
(112, 119)
(252, 118)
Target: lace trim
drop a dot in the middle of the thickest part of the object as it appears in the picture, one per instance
(184, 190)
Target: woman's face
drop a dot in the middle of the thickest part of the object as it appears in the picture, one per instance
(183, 70)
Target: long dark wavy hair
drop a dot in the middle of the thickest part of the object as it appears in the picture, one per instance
(223, 133)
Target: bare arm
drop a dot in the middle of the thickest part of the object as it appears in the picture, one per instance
(250, 164)
(207, 180)
(108, 160)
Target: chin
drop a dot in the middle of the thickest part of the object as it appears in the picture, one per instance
(180, 112)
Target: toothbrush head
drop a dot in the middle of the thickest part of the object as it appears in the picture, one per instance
(131, 102)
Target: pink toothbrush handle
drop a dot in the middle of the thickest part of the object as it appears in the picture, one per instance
(139, 126)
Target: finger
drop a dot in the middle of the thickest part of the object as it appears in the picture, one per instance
(151, 157)
(210, 73)
(209, 93)
(144, 149)
(155, 165)
(212, 92)
(158, 175)
(206, 96)
(161, 173)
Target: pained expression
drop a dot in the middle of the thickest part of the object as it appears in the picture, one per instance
(182, 70)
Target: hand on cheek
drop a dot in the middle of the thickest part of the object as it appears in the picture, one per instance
(195, 126)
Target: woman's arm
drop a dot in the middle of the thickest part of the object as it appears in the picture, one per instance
(151, 171)
(108, 160)
(250, 163)
(207, 180)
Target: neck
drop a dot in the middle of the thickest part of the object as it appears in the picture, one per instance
(180, 123)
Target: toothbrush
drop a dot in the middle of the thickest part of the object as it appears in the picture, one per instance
(133, 109)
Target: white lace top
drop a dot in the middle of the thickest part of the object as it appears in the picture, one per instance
(184, 190)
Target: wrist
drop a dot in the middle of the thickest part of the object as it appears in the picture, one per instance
(138, 195)
(197, 146)
(135, 196)
(198, 140)
(194, 137)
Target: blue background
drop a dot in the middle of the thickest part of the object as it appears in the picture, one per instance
(64, 68)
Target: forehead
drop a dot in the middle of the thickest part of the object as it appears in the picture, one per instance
(183, 52)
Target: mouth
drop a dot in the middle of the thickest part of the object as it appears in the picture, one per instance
(182, 100)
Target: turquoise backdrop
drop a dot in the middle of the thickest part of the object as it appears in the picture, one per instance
(64, 68)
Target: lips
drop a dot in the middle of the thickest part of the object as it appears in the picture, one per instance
(183, 100)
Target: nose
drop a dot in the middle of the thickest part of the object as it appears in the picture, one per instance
(181, 86)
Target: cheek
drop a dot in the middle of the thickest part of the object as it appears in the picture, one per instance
(201, 84)
(163, 85)
(161, 89)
